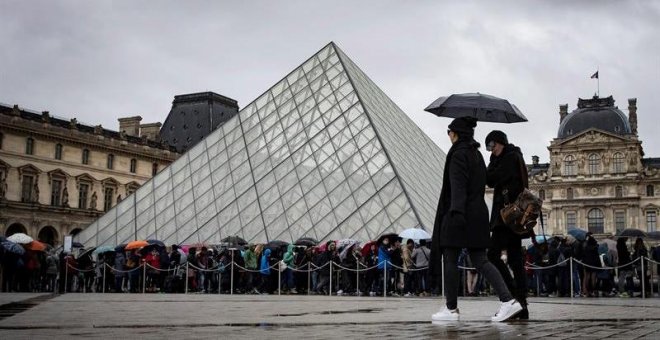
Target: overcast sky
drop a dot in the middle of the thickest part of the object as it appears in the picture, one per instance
(101, 60)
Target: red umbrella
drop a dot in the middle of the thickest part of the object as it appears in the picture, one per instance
(367, 248)
(35, 246)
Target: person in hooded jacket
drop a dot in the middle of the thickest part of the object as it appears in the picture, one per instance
(264, 270)
(462, 222)
(507, 176)
(287, 275)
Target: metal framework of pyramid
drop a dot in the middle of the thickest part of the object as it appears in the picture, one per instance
(324, 153)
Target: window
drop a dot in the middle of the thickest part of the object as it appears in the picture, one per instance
(111, 161)
(85, 156)
(56, 192)
(596, 221)
(133, 165)
(542, 194)
(108, 195)
(650, 191)
(154, 169)
(594, 164)
(569, 193)
(569, 166)
(651, 220)
(26, 188)
(618, 191)
(58, 151)
(29, 146)
(571, 219)
(619, 220)
(83, 193)
(618, 163)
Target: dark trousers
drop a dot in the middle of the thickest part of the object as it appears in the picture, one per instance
(479, 260)
(517, 284)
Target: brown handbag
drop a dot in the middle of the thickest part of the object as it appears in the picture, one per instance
(521, 215)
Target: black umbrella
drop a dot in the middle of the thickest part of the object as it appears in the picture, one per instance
(632, 232)
(77, 245)
(306, 241)
(120, 248)
(156, 243)
(391, 236)
(483, 107)
(237, 240)
(276, 244)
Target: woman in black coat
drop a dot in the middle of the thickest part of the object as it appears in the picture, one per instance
(462, 222)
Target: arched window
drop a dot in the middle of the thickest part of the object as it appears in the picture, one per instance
(594, 164)
(618, 163)
(58, 151)
(15, 228)
(569, 193)
(48, 235)
(133, 165)
(650, 191)
(29, 146)
(111, 161)
(596, 221)
(618, 191)
(85, 156)
(542, 194)
(569, 166)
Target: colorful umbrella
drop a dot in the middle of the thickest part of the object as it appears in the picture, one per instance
(36, 246)
(20, 238)
(367, 247)
(12, 247)
(136, 244)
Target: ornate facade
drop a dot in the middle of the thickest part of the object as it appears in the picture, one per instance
(57, 175)
(597, 178)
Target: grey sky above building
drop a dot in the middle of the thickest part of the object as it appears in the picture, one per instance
(107, 59)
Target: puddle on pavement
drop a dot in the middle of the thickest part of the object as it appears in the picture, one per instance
(333, 312)
(10, 309)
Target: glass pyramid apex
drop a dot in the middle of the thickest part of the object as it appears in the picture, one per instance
(323, 153)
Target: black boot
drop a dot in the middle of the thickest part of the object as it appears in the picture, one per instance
(523, 314)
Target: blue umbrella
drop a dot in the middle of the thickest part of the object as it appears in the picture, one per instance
(542, 238)
(578, 233)
(12, 247)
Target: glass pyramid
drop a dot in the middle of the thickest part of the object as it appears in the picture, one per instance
(324, 153)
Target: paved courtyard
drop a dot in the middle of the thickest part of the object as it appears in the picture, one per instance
(43, 316)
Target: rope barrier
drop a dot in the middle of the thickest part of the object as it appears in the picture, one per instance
(607, 268)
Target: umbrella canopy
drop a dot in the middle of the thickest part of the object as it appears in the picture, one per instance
(483, 107)
(275, 244)
(136, 245)
(184, 256)
(104, 249)
(391, 236)
(345, 242)
(87, 252)
(542, 238)
(415, 234)
(12, 247)
(579, 234)
(306, 241)
(36, 246)
(77, 245)
(237, 240)
(367, 247)
(156, 243)
(120, 248)
(346, 247)
(632, 232)
(20, 238)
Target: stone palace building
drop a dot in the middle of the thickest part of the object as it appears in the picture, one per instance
(598, 178)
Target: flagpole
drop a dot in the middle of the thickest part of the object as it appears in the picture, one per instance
(598, 80)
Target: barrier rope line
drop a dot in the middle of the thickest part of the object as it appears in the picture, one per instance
(607, 268)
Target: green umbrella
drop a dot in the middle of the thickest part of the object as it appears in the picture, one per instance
(103, 249)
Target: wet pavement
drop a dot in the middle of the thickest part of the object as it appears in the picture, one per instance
(316, 317)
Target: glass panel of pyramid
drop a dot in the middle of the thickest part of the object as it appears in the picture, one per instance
(324, 153)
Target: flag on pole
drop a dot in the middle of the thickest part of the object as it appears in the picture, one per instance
(595, 75)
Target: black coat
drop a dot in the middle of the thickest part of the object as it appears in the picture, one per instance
(463, 187)
(504, 175)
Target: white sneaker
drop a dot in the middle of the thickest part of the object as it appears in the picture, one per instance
(340, 292)
(507, 310)
(446, 315)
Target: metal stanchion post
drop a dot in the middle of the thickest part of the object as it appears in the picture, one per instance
(279, 280)
(231, 285)
(330, 284)
(309, 278)
(357, 280)
(104, 265)
(643, 278)
(185, 277)
(442, 270)
(570, 262)
(385, 279)
(144, 277)
(538, 282)
(219, 281)
(66, 275)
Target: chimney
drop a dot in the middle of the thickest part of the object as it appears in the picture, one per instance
(632, 114)
(535, 160)
(151, 131)
(563, 112)
(130, 125)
